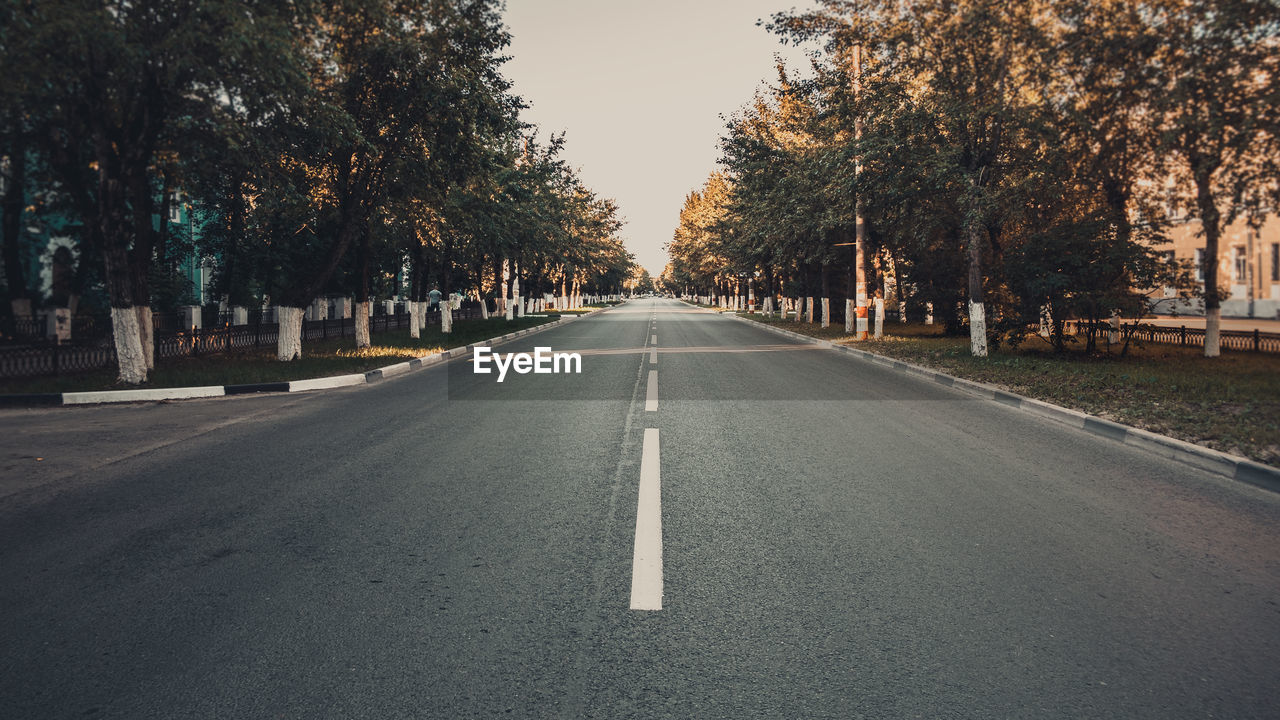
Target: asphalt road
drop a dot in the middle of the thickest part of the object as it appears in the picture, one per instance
(833, 539)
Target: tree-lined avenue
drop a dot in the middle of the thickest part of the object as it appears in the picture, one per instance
(837, 540)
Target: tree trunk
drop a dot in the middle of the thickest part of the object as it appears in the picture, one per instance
(508, 304)
(826, 298)
(977, 313)
(879, 327)
(140, 261)
(362, 293)
(115, 257)
(13, 203)
(129, 355)
(851, 303)
(415, 320)
(146, 335)
(515, 292)
(362, 324)
(1210, 221)
(289, 340)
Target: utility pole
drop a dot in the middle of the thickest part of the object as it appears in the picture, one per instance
(860, 223)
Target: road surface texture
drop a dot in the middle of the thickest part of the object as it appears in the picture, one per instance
(710, 521)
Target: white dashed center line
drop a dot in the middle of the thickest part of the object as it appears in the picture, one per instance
(646, 562)
(651, 393)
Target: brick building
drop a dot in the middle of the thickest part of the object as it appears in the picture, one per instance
(1248, 268)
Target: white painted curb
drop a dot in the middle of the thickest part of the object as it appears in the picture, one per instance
(325, 383)
(106, 396)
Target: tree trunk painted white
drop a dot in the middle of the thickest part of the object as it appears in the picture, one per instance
(768, 306)
(289, 341)
(977, 329)
(879, 326)
(520, 306)
(1046, 320)
(362, 324)
(928, 313)
(133, 366)
(850, 315)
(1113, 334)
(1212, 332)
(415, 330)
(809, 308)
(146, 335)
(826, 312)
(484, 306)
(446, 317)
(902, 312)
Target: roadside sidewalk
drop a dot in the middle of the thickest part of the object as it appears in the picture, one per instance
(323, 383)
(1219, 463)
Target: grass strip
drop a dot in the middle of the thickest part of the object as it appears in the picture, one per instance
(1228, 403)
(320, 358)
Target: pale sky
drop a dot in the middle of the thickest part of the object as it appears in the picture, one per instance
(639, 87)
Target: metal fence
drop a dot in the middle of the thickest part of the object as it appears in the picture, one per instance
(94, 351)
(1244, 340)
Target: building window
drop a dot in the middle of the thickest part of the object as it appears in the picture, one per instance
(1275, 262)
(1240, 269)
(1199, 264)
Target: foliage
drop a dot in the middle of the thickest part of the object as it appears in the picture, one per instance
(1012, 154)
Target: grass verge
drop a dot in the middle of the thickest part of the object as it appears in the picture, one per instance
(1226, 403)
(320, 358)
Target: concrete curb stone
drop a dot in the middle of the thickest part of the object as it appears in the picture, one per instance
(1214, 461)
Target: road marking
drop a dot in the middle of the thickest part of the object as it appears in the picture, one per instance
(651, 393)
(653, 339)
(646, 562)
(653, 356)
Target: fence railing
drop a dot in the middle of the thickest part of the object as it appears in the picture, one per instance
(1244, 340)
(96, 351)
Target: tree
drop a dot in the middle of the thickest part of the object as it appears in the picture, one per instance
(112, 87)
(1218, 65)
